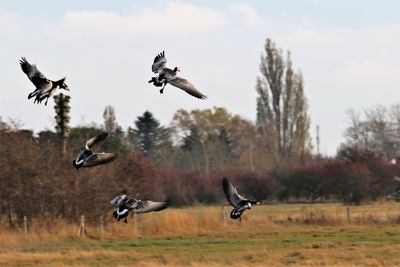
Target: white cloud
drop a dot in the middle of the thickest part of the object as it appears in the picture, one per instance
(248, 15)
(368, 71)
(309, 37)
(9, 23)
(174, 18)
(344, 68)
(385, 33)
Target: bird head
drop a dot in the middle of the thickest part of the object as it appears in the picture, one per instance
(248, 206)
(115, 214)
(63, 85)
(176, 69)
(77, 166)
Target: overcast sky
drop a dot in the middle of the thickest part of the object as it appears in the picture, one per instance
(348, 52)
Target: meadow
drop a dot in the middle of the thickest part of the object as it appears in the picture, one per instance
(268, 235)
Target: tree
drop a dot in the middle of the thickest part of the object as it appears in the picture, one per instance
(376, 129)
(3, 125)
(282, 117)
(356, 134)
(221, 148)
(149, 136)
(110, 121)
(192, 148)
(62, 118)
(222, 139)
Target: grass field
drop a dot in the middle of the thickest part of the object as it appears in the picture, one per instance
(269, 235)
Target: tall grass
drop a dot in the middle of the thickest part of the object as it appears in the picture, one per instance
(209, 221)
(268, 235)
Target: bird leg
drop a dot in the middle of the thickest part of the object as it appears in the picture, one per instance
(37, 99)
(156, 82)
(33, 93)
(42, 97)
(162, 89)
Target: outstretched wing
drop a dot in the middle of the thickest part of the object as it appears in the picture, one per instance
(159, 62)
(95, 140)
(36, 77)
(231, 193)
(118, 200)
(98, 159)
(149, 206)
(186, 86)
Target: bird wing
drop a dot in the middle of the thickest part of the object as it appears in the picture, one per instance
(118, 200)
(159, 62)
(149, 206)
(36, 77)
(95, 140)
(231, 193)
(186, 86)
(166, 74)
(98, 159)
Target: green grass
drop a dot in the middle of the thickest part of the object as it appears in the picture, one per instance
(265, 238)
(295, 247)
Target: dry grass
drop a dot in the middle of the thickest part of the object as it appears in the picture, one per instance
(269, 235)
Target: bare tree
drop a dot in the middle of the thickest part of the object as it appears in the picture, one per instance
(110, 121)
(376, 129)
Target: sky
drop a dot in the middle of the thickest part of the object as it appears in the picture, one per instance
(346, 50)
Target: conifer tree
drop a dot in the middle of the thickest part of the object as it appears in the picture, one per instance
(62, 117)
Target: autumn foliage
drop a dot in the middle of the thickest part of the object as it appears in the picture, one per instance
(37, 181)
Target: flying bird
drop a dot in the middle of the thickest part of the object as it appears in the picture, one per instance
(87, 158)
(166, 75)
(239, 203)
(45, 88)
(125, 205)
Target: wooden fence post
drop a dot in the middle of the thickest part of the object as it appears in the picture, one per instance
(101, 227)
(135, 219)
(223, 215)
(81, 229)
(25, 228)
(348, 214)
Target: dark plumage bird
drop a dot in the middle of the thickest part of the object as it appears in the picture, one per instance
(45, 88)
(239, 203)
(125, 205)
(166, 75)
(86, 158)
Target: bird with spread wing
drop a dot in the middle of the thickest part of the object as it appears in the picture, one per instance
(125, 205)
(166, 75)
(45, 88)
(87, 158)
(239, 203)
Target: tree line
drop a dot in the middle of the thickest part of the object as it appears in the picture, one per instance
(182, 163)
